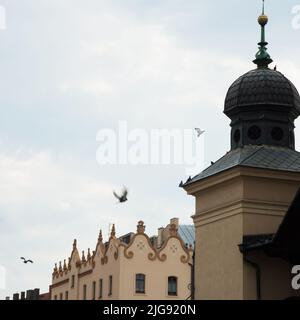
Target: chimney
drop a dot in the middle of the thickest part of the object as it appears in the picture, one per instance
(160, 237)
(16, 296)
(29, 295)
(36, 294)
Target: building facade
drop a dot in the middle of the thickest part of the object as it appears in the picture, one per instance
(243, 231)
(131, 267)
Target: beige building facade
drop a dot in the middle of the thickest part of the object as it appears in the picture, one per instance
(127, 268)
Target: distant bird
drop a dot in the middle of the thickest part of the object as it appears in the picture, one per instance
(199, 132)
(212, 163)
(26, 261)
(275, 68)
(123, 197)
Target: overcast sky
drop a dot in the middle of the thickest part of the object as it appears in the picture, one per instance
(69, 68)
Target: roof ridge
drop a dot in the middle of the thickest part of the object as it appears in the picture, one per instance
(251, 155)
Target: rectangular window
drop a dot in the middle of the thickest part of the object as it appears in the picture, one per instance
(60, 296)
(67, 295)
(140, 283)
(110, 286)
(55, 297)
(84, 292)
(73, 282)
(100, 288)
(172, 286)
(94, 290)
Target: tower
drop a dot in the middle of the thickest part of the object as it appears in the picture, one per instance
(247, 192)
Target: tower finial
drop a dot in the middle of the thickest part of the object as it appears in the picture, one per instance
(262, 58)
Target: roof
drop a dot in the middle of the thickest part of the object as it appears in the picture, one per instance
(285, 242)
(252, 242)
(262, 86)
(187, 234)
(265, 157)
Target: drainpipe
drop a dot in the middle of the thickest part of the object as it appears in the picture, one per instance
(193, 275)
(258, 276)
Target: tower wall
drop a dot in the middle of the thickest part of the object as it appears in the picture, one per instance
(238, 202)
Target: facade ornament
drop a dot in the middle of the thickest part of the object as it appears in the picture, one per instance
(173, 230)
(65, 266)
(75, 244)
(83, 259)
(113, 232)
(141, 227)
(60, 267)
(55, 270)
(100, 238)
(89, 255)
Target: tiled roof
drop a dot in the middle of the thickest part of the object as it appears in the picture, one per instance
(187, 234)
(265, 157)
(262, 86)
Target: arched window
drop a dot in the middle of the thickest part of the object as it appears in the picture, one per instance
(140, 283)
(172, 286)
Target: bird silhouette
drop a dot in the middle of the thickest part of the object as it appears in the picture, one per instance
(275, 68)
(199, 132)
(123, 197)
(26, 261)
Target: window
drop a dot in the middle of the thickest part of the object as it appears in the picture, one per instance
(140, 283)
(60, 296)
(254, 132)
(237, 135)
(84, 292)
(73, 282)
(67, 295)
(55, 297)
(100, 288)
(277, 134)
(94, 290)
(110, 286)
(172, 286)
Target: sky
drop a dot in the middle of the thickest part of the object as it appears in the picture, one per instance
(70, 68)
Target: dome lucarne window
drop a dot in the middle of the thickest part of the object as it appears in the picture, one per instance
(254, 132)
(237, 136)
(277, 134)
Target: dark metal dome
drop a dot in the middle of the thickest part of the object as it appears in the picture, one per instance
(262, 86)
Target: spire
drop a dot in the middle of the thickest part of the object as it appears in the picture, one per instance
(100, 238)
(113, 232)
(262, 58)
(75, 244)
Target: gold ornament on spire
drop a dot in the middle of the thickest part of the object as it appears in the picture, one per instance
(263, 19)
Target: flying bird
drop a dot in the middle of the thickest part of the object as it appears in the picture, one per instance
(123, 197)
(199, 132)
(26, 261)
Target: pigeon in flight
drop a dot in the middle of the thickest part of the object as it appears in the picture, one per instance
(199, 132)
(26, 261)
(123, 197)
